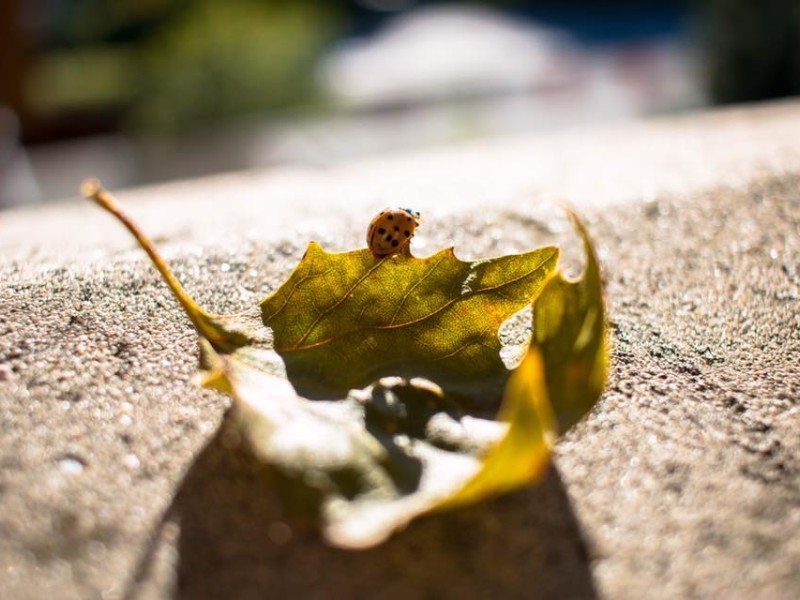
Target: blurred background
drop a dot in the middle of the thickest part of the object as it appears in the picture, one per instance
(140, 91)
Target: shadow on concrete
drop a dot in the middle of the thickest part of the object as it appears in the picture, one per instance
(236, 541)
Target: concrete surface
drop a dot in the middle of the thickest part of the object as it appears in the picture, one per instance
(684, 482)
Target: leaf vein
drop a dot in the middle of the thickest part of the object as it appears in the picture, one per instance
(293, 290)
(297, 347)
(344, 297)
(415, 286)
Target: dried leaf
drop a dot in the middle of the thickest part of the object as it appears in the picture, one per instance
(372, 383)
(341, 321)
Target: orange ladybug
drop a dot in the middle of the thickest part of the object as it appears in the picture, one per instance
(391, 231)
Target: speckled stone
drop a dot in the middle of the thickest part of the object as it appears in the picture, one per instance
(683, 482)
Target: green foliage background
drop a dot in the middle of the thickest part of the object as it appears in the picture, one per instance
(164, 65)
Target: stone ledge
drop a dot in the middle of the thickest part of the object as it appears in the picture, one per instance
(593, 166)
(682, 482)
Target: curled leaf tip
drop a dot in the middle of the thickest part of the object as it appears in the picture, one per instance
(569, 328)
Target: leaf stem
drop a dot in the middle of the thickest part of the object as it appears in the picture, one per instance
(94, 190)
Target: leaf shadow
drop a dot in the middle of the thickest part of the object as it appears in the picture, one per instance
(238, 539)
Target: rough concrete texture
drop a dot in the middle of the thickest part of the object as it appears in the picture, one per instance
(683, 482)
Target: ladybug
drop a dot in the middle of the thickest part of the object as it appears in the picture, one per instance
(391, 231)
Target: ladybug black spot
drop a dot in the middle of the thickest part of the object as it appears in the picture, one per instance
(407, 233)
(381, 231)
(408, 218)
(390, 217)
(396, 228)
(388, 238)
(395, 243)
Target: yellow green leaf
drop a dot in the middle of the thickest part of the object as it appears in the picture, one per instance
(569, 327)
(372, 383)
(559, 381)
(343, 320)
(523, 454)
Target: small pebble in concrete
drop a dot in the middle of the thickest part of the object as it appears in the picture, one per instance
(131, 461)
(71, 465)
(6, 373)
